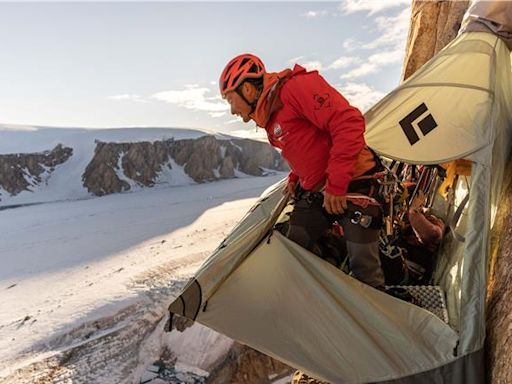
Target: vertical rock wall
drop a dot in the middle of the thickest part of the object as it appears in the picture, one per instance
(433, 25)
(245, 365)
(499, 294)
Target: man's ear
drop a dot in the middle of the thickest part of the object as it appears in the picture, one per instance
(249, 90)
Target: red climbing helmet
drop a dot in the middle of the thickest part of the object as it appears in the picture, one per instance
(242, 67)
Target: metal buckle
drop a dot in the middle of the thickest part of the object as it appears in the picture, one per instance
(356, 218)
(363, 220)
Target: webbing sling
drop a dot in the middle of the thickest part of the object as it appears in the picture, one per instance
(456, 217)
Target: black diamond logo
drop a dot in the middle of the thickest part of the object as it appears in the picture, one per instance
(426, 125)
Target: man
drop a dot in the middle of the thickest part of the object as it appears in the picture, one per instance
(321, 136)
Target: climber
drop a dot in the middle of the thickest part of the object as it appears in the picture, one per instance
(321, 136)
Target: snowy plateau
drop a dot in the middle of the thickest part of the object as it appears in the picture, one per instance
(86, 281)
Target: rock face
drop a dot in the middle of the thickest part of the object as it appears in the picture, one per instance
(20, 172)
(224, 157)
(239, 364)
(499, 293)
(203, 159)
(433, 25)
(113, 162)
(236, 364)
(245, 365)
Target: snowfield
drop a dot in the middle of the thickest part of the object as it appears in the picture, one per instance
(84, 285)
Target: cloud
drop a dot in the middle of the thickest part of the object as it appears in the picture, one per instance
(317, 65)
(295, 59)
(129, 97)
(309, 65)
(313, 65)
(360, 95)
(363, 70)
(193, 97)
(343, 62)
(216, 114)
(374, 64)
(313, 14)
(393, 30)
(385, 57)
(370, 6)
(389, 45)
(350, 45)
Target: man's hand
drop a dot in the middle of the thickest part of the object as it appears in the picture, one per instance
(290, 188)
(334, 205)
(418, 202)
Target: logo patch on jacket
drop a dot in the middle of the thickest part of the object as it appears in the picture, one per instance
(322, 100)
(278, 131)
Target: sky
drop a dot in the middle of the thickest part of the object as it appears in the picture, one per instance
(135, 64)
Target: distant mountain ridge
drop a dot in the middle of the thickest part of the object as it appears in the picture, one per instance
(80, 163)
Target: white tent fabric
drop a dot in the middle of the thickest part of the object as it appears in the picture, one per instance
(294, 306)
(281, 291)
(441, 113)
(267, 292)
(466, 89)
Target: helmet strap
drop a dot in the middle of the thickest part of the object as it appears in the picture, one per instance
(241, 94)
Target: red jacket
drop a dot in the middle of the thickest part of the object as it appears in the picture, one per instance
(319, 132)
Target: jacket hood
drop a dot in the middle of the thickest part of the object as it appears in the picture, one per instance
(268, 101)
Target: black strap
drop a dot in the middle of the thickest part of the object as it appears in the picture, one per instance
(241, 94)
(379, 167)
(456, 217)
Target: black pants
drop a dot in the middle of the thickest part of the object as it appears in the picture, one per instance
(309, 221)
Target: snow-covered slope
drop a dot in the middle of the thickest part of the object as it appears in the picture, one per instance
(83, 283)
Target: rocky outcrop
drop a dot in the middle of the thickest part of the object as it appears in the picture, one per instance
(116, 165)
(257, 156)
(245, 365)
(224, 157)
(236, 364)
(20, 172)
(433, 25)
(143, 161)
(499, 292)
(114, 162)
(199, 157)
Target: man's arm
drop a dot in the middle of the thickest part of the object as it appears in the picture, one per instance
(292, 184)
(429, 232)
(328, 110)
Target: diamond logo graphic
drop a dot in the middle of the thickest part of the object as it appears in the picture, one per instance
(426, 125)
